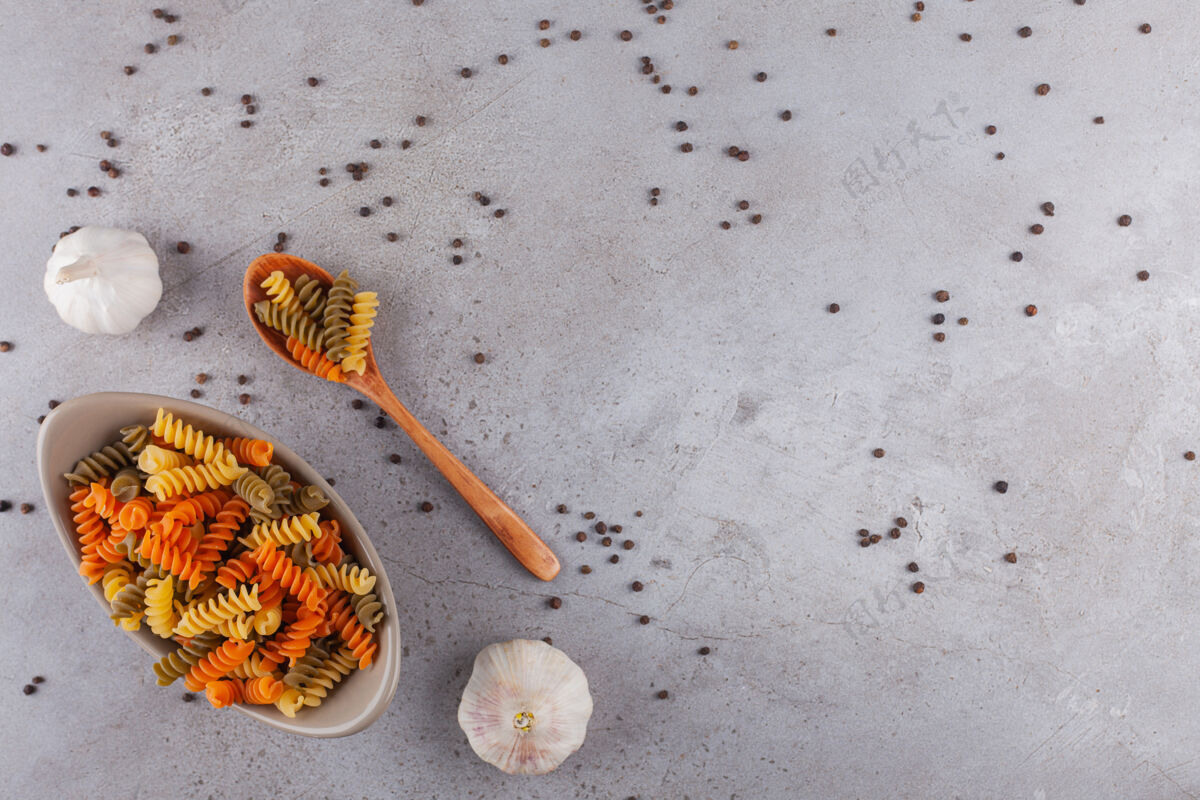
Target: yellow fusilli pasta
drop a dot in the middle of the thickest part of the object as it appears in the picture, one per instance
(359, 332)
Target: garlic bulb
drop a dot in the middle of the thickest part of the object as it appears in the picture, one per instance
(103, 280)
(526, 707)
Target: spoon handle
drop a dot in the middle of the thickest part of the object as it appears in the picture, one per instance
(509, 528)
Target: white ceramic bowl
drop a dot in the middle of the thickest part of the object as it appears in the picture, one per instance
(80, 426)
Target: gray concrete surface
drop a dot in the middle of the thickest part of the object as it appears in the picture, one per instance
(643, 358)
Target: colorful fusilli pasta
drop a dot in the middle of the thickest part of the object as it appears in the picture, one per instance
(164, 520)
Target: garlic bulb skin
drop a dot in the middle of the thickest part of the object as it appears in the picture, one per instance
(526, 707)
(103, 280)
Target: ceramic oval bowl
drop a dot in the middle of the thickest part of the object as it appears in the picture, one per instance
(85, 424)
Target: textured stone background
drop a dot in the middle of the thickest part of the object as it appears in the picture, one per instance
(642, 358)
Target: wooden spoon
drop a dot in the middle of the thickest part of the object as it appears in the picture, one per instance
(509, 528)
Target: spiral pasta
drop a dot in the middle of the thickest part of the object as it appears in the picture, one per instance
(315, 362)
(360, 641)
(160, 610)
(359, 332)
(154, 459)
(187, 439)
(196, 478)
(217, 664)
(242, 619)
(337, 314)
(349, 578)
(305, 500)
(126, 484)
(250, 452)
(311, 295)
(175, 665)
(135, 437)
(100, 464)
(205, 616)
(282, 569)
(255, 491)
(280, 290)
(291, 323)
(284, 531)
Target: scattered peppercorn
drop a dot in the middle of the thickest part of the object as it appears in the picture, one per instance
(426, 506)
(733, 44)
(644, 620)
(606, 541)
(1001, 487)
(938, 319)
(1048, 209)
(1017, 255)
(966, 37)
(941, 295)
(963, 320)
(918, 587)
(1098, 120)
(71, 192)
(244, 399)
(241, 379)
(614, 558)
(894, 533)
(686, 147)
(625, 36)
(863, 532)
(1144, 27)
(664, 694)
(172, 40)
(1043, 89)
(394, 458)
(1036, 229)
(1189, 455)
(1143, 275)
(864, 542)
(29, 688)
(916, 17)
(456, 260)
(38, 679)
(1124, 220)
(628, 544)
(26, 508)
(356, 403)
(939, 337)
(149, 48)
(246, 123)
(760, 77)
(913, 567)
(1010, 558)
(636, 586)
(831, 31)
(990, 130)
(878, 452)
(575, 36)
(1031, 310)
(555, 602)
(726, 224)
(757, 218)
(581, 537)
(195, 393)
(93, 191)
(585, 569)
(834, 308)
(561, 508)
(544, 42)
(5, 347)
(1025, 32)
(5, 505)
(692, 90)
(380, 423)
(875, 538)
(421, 120)
(589, 515)
(183, 247)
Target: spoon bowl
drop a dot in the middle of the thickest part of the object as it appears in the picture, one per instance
(85, 424)
(510, 529)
